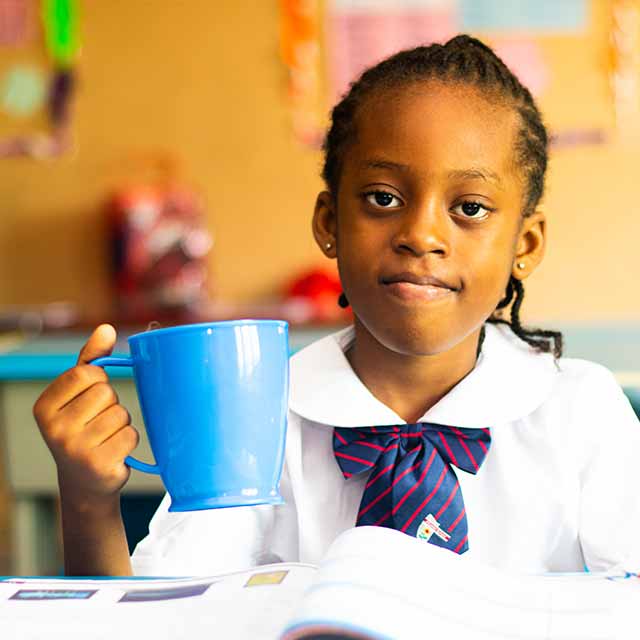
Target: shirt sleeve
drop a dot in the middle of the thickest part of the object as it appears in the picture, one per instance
(609, 526)
(203, 543)
(215, 541)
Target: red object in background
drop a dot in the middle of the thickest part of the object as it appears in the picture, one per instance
(318, 288)
(159, 247)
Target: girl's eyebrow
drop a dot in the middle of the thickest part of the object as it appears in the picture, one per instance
(477, 173)
(377, 163)
(473, 173)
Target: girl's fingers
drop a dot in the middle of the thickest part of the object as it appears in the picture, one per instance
(103, 426)
(120, 444)
(100, 343)
(65, 388)
(74, 416)
(73, 382)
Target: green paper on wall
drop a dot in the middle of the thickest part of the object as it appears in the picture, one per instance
(60, 19)
(22, 91)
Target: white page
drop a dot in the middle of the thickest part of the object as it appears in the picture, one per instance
(385, 581)
(231, 606)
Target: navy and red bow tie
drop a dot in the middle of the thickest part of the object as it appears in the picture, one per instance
(413, 487)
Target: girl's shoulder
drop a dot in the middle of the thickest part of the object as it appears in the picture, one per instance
(553, 381)
(590, 407)
(592, 385)
(586, 372)
(572, 370)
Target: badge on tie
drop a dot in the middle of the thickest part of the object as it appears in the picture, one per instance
(430, 526)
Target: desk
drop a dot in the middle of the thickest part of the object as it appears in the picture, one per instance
(30, 471)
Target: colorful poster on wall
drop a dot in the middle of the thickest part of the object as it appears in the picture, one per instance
(360, 33)
(300, 53)
(23, 90)
(17, 22)
(557, 16)
(625, 69)
(363, 32)
(39, 45)
(525, 58)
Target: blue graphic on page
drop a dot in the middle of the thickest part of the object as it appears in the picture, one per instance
(171, 593)
(52, 594)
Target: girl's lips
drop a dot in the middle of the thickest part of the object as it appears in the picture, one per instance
(409, 291)
(415, 278)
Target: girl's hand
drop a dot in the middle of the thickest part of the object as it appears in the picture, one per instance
(87, 430)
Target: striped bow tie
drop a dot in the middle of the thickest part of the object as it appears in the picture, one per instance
(413, 487)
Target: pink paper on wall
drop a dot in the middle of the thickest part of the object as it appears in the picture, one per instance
(524, 57)
(359, 37)
(17, 19)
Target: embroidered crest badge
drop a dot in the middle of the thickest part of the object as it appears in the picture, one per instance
(429, 527)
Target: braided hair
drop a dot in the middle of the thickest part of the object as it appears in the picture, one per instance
(461, 60)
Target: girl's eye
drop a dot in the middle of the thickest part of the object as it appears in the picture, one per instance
(383, 199)
(471, 209)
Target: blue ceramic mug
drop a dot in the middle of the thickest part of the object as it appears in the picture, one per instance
(214, 399)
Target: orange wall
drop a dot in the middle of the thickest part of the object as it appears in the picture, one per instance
(203, 79)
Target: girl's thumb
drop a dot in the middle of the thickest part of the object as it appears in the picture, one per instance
(100, 343)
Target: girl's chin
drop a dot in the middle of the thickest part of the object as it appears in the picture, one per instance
(416, 338)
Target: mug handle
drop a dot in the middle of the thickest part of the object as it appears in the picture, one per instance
(111, 361)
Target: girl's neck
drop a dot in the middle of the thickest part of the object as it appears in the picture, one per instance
(409, 385)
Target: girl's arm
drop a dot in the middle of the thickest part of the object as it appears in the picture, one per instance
(93, 536)
(89, 434)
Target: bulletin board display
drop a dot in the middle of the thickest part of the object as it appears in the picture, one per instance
(39, 46)
(355, 34)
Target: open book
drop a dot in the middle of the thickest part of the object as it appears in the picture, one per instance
(373, 583)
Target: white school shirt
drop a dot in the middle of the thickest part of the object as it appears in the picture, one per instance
(557, 491)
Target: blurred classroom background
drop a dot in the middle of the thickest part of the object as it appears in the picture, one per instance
(160, 161)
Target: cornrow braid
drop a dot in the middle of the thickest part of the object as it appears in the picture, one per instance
(461, 60)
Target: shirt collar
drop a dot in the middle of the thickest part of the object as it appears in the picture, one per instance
(510, 380)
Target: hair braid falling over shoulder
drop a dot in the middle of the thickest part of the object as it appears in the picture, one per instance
(541, 339)
(463, 60)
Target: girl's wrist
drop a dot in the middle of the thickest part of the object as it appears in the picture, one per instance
(78, 501)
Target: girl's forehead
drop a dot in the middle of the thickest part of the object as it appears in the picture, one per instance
(435, 104)
(432, 125)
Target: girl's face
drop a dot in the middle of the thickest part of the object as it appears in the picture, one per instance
(427, 224)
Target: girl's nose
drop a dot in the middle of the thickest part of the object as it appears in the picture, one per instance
(423, 230)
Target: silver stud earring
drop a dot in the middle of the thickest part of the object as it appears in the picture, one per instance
(521, 265)
(328, 246)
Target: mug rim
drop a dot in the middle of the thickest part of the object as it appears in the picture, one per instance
(183, 328)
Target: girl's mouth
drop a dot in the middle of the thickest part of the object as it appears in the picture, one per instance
(411, 286)
(411, 292)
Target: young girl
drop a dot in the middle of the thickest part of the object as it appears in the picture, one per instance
(429, 414)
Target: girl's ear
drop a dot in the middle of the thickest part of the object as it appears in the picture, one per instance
(530, 245)
(324, 224)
